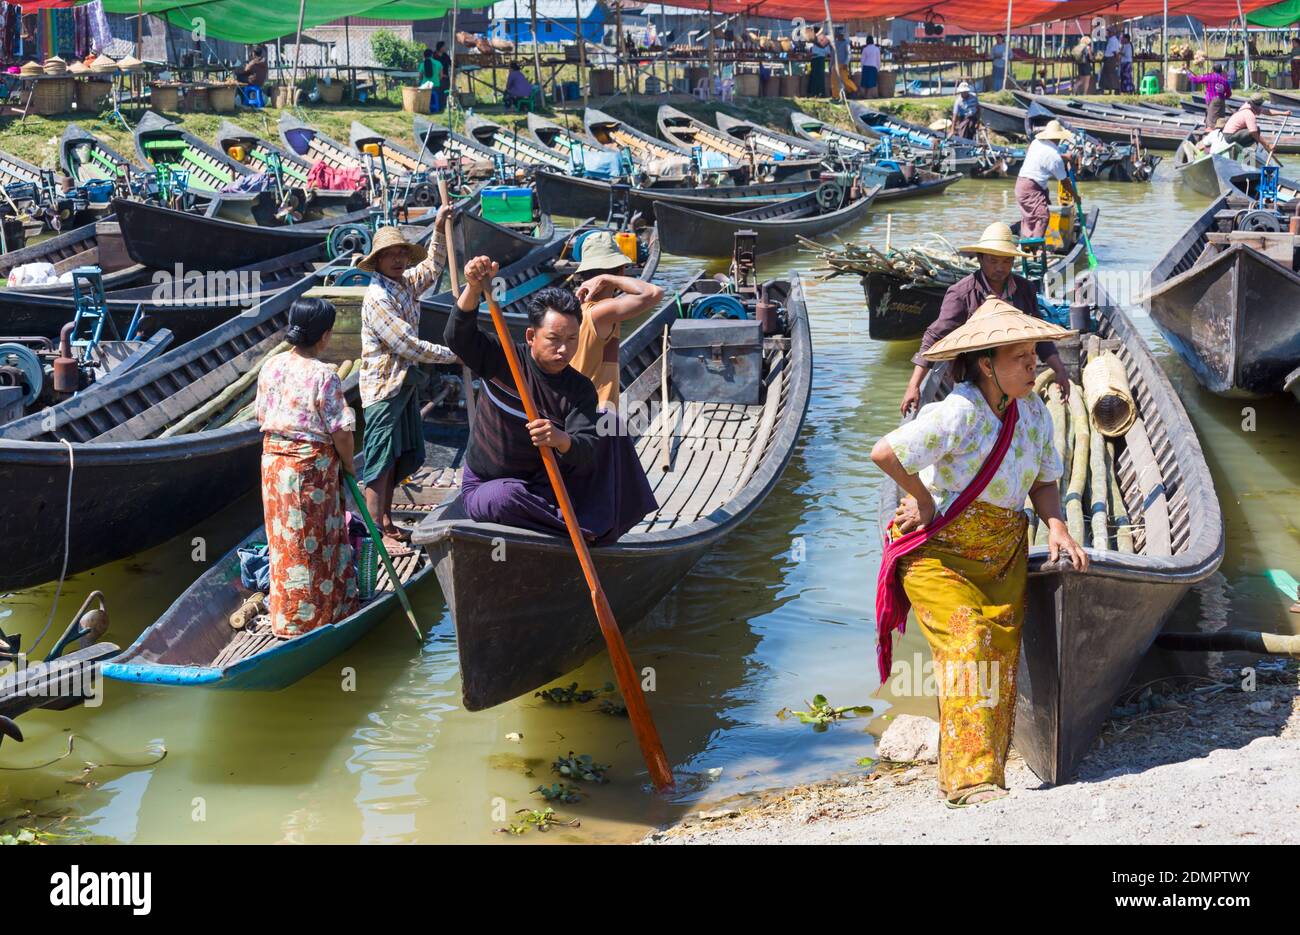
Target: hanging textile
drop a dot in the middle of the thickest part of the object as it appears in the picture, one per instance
(100, 35)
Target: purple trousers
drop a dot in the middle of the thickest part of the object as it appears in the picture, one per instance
(1031, 198)
(609, 498)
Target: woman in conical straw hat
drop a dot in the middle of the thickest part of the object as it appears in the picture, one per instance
(958, 547)
(1043, 163)
(996, 251)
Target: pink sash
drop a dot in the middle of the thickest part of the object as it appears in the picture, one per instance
(892, 604)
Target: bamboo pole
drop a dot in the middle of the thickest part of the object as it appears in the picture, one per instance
(1006, 51)
(625, 675)
(537, 52)
(1120, 519)
(713, 62)
(198, 416)
(297, 53)
(1099, 483)
(582, 53)
(1079, 424)
(451, 72)
(666, 452)
(466, 377)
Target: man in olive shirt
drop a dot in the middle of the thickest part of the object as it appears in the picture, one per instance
(996, 251)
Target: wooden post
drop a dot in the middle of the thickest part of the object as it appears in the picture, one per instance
(713, 63)
(297, 54)
(620, 80)
(537, 54)
(451, 72)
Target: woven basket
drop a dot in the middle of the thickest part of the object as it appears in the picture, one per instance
(1106, 390)
(164, 98)
(416, 100)
(283, 96)
(91, 94)
(221, 98)
(331, 93)
(53, 96)
(196, 101)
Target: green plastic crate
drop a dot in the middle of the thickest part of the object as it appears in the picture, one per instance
(508, 205)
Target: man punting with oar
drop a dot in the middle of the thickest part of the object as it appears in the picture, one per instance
(504, 480)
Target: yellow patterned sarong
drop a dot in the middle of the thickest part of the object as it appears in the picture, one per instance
(967, 585)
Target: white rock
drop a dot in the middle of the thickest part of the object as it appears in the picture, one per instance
(910, 738)
(1260, 707)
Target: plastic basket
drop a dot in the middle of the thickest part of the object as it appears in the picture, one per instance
(367, 568)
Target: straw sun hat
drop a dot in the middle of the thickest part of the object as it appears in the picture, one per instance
(963, 88)
(997, 240)
(600, 253)
(993, 324)
(1054, 131)
(390, 238)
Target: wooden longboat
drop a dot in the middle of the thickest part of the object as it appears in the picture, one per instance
(960, 155)
(769, 139)
(400, 159)
(687, 232)
(1240, 181)
(1085, 634)
(438, 141)
(259, 154)
(477, 236)
(161, 142)
(685, 131)
(1201, 171)
(726, 459)
(131, 488)
(87, 158)
(161, 237)
(1229, 303)
(571, 196)
(652, 155)
(898, 312)
(550, 264)
(819, 132)
(557, 137)
(518, 149)
(185, 302)
(193, 646)
(99, 244)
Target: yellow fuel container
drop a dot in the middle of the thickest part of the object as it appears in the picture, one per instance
(237, 153)
(371, 149)
(626, 241)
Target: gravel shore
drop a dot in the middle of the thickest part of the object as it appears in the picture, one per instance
(1210, 764)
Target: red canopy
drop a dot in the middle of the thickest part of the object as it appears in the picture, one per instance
(987, 16)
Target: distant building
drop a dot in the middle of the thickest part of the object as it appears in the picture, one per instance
(557, 21)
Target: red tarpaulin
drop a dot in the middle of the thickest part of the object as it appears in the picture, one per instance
(989, 16)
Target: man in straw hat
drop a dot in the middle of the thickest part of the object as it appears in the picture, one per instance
(963, 564)
(965, 120)
(996, 252)
(1242, 127)
(391, 350)
(503, 480)
(608, 298)
(1043, 163)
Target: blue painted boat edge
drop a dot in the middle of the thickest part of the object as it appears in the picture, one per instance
(151, 674)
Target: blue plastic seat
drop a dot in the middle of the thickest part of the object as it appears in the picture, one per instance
(250, 95)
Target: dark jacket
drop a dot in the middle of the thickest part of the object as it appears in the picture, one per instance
(968, 294)
(500, 445)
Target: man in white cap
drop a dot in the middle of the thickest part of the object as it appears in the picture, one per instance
(1043, 163)
(965, 113)
(996, 252)
(608, 298)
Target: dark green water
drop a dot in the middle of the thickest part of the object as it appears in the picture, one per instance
(779, 613)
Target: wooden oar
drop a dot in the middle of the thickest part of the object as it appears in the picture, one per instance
(378, 539)
(1083, 219)
(466, 378)
(1276, 137)
(638, 711)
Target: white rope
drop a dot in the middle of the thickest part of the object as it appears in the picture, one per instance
(67, 543)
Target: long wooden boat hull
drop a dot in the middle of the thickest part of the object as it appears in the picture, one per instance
(1234, 319)
(1085, 633)
(258, 152)
(130, 490)
(515, 148)
(161, 237)
(1201, 175)
(569, 196)
(898, 312)
(931, 184)
(97, 244)
(687, 232)
(508, 648)
(685, 131)
(477, 236)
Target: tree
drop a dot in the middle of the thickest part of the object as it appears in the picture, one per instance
(392, 51)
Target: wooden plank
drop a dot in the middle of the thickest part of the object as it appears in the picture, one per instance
(707, 490)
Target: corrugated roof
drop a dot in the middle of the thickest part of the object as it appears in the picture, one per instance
(552, 9)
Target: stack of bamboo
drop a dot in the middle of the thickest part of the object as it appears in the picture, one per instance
(937, 265)
(237, 402)
(1091, 496)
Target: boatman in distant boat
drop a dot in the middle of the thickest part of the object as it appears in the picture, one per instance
(608, 298)
(1043, 163)
(391, 352)
(1242, 127)
(504, 480)
(965, 113)
(996, 252)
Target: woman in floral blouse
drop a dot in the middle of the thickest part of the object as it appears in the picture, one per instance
(967, 578)
(306, 440)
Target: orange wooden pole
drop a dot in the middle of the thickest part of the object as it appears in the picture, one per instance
(643, 726)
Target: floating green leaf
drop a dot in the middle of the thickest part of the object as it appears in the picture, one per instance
(559, 792)
(581, 768)
(571, 694)
(821, 714)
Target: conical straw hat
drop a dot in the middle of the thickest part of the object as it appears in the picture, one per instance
(995, 323)
(390, 238)
(1054, 131)
(103, 64)
(997, 240)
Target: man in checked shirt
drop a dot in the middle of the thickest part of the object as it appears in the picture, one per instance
(393, 443)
